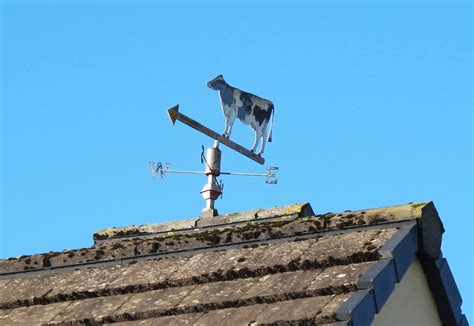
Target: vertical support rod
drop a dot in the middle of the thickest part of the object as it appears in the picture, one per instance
(211, 191)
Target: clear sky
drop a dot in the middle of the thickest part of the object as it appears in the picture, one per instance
(373, 105)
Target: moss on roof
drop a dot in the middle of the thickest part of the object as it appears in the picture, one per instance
(296, 210)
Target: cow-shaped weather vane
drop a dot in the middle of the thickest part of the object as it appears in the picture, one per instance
(251, 110)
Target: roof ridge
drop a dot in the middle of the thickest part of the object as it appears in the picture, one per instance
(300, 210)
(256, 215)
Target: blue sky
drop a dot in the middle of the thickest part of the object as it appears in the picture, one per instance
(373, 107)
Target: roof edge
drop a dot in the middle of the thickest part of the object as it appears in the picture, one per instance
(444, 289)
(378, 282)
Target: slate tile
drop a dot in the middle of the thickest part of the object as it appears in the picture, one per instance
(34, 315)
(218, 292)
(208, 263)
(4, 283)
(178, 320)
(91, 279)
(231, 316)
(273, 254)
(293, 310)
(342, 246)
(146, 272)
(88, 279)
(383, 236)
(95, 308)
(26, 288)
(155, 301)
(330, 309)
(339, 275)
(289, 282)
(4, 312)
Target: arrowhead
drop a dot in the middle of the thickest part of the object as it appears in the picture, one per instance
(173, 113)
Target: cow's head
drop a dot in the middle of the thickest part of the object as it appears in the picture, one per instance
(217, 83)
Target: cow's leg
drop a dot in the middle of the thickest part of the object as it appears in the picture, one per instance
(258, 135)
(229, 121)
(264, 139)
(226, 129)
(230, 128)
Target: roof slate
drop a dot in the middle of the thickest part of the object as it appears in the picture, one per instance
(262, 267)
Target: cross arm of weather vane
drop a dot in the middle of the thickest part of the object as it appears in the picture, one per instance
(162, 171)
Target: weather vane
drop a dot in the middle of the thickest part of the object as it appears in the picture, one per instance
(251, 110)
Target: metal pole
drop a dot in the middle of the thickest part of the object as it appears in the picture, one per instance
(211, 191)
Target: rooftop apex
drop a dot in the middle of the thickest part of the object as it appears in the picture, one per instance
(188, 225)
(301, 210)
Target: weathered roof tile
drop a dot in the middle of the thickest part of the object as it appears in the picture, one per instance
(207, 263)
(84, 280)
(217, 292)
(4, 312)
(34, 315)
(338, 276)
(184, 319)
(93, 309)
(329, 310)
(293, 310)
(272, 255)
(148, 272)
(272, 284)
(152, 303)
(231, 316)
(25, 288)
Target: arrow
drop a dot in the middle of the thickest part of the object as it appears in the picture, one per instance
(174, 115)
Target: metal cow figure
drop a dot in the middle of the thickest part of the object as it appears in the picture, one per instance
(250, 109)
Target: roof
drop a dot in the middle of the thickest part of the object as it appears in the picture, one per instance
(273, 266)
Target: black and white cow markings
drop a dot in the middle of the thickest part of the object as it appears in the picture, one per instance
(248, 108)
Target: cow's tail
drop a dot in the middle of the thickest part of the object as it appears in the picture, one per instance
(269, 139)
